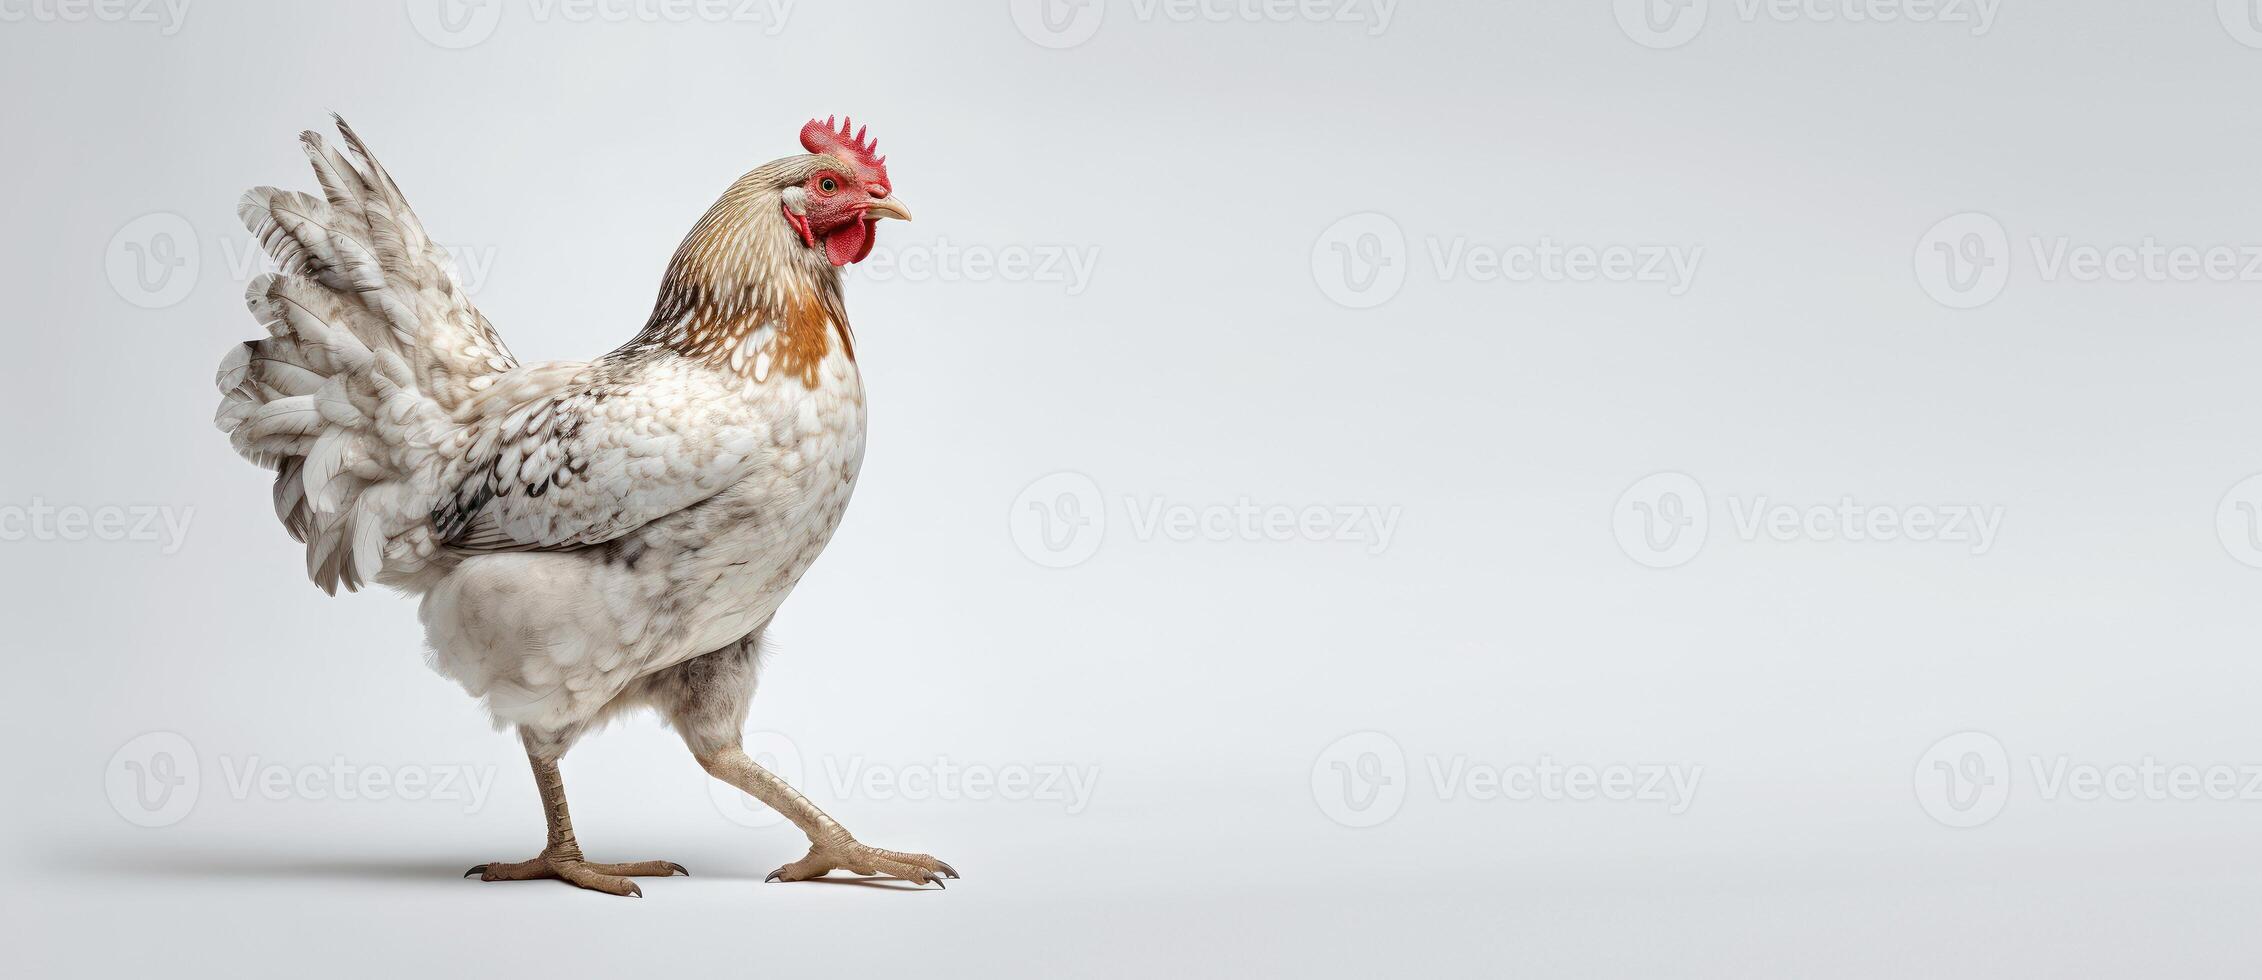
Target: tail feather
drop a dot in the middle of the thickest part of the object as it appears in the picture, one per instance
(290, 498)
(371, 345)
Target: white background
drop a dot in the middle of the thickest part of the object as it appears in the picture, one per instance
(1220, 350)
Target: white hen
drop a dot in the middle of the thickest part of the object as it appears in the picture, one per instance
(587, 537)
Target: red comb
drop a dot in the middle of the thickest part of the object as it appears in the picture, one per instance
(820, 137)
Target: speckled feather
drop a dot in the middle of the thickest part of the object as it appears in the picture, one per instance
(571, 526)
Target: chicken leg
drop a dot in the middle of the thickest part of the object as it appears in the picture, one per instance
(831, 847)
(561, 856)
(706, 698)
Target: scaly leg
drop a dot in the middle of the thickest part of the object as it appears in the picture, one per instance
(561, 857)
(706, 698)
(830, 845)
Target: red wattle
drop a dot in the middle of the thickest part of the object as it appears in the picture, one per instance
(851, 243)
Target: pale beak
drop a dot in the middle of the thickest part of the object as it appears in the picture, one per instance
(887, 207)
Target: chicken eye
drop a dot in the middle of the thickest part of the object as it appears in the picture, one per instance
(827, 185)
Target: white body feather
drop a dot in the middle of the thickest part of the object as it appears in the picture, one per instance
(552, 638)
(571, 526)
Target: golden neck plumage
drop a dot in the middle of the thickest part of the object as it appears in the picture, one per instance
(745, 295)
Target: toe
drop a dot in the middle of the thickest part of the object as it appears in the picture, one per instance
(908, 872)
(594, 880)
(934, 866)
(641, 869)
(512, 871)
(813, 865)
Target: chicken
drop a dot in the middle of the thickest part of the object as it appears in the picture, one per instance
(587, 538)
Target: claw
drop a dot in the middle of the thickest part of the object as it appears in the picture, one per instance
(477, 869)
(634, 891)
(680, 869)
(774, 876)
(948, 870)
(937, 879)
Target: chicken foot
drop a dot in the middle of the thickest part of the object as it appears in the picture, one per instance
(831, 847)
(561, 857)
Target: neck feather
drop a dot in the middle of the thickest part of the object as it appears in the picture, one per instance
(744, 295)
